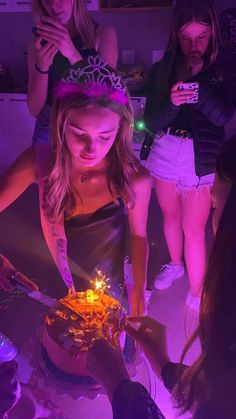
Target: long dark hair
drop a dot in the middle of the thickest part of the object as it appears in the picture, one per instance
(214, 372)
(202, 11)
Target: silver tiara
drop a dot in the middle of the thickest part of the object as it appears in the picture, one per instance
(96, 71)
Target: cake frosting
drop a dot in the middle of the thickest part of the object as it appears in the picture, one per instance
(69, 334)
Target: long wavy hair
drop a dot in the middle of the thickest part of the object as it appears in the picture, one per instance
(213, 375)
(83, 22)
(61, 193)
(202, 11)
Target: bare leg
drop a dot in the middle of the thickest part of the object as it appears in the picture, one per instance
(195, 212)
(170, 204)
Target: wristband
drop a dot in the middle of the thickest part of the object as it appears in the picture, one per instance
(41, 71)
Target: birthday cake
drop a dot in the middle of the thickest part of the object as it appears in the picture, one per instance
(73, 328)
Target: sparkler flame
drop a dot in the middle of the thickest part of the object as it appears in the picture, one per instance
(100, 283)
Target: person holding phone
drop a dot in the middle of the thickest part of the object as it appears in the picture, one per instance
(64, 33)
(190, 97)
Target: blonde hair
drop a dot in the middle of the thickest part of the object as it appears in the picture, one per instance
(202, 11)
(121, 161)
(83, 22)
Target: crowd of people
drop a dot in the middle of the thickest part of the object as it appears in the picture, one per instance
(91, 186)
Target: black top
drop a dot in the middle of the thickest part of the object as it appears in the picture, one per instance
(206, 119)
(61, 65)
(98, 241)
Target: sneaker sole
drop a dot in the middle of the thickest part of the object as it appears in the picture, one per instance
(165, 285)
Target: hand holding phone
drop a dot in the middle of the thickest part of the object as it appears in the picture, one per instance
(184, 93)
(35, 32)
(192, 87)
(45, 51)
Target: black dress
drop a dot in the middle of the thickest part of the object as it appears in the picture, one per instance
(97, 241)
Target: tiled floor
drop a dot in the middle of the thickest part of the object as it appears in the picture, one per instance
(21, 239)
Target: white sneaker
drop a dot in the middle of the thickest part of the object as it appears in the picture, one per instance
(8, 350)
(193, 302)
(167, 275)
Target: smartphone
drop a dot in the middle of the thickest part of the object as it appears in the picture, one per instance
(191, 86)
(34, 31)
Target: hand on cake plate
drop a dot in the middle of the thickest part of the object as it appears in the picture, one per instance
(138, 302)
(151, 335)
(106, 364)
(7, 270)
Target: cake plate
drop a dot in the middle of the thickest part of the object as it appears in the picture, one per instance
(46, 376)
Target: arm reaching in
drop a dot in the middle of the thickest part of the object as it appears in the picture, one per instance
(6, 270)
(138, 240)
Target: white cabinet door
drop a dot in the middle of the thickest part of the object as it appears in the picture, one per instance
(92, 5)
(5, 6)
(21, 5)
(16, 127)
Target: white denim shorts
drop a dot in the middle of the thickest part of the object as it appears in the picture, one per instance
(171, 158)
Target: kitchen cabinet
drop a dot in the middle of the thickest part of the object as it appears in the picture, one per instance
(25, 5)
(134, 5)
(15, 6)
(5, 6)
(16, 127)
(21, 5)
(92, 5)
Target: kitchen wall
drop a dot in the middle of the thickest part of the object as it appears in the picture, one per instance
(139, 31)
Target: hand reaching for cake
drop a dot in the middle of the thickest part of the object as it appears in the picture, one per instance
(151, 335)
(137, 302)
(107, 366)
(7, 270)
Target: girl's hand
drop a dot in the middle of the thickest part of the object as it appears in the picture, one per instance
(179, 97)
(138, 302)
(44, 54)
(106, 365)
(56, 34)
(151, 335)
(6, 270)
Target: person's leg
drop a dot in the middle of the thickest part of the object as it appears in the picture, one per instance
(170, 204)
(195, 212)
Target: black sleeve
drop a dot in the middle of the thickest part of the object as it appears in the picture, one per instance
(132, 401)
(159, 110)
(217, 98)
(171, 374)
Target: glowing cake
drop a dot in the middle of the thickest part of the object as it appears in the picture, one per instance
(68, 335)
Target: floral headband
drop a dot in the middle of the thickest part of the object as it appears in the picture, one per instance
(93, 78)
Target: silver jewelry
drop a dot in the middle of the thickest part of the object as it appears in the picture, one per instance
(97, 71)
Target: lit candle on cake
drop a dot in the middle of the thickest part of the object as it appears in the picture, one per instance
(91, 296)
